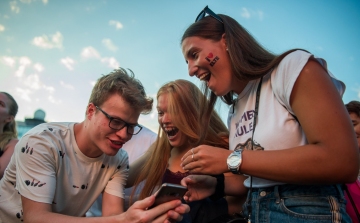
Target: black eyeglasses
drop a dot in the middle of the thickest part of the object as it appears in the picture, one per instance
(205, 11)
(117, 124)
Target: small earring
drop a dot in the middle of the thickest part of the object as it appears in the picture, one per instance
(227, 49)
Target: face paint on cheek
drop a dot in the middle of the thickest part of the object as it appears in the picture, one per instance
(213, 62)
(209, 57)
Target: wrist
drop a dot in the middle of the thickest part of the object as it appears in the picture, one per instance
(219, 188)
(234, 161)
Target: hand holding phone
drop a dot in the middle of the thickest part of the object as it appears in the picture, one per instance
(169, 192)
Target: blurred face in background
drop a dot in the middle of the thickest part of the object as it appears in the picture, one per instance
(5, 103)
(356, 124)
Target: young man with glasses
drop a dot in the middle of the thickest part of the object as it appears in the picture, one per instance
(59, 169)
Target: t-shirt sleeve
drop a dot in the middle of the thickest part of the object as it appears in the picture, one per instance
(36, 168)
(117, 182)
(286, 73)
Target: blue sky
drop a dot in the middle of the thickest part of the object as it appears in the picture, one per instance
(52, 51)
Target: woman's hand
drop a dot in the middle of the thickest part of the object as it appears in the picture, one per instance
(199, 187)
(205, 159)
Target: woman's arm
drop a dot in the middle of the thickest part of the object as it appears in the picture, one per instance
(331, 155)
(5, 158)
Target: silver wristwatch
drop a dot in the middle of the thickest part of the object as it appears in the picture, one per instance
(234, 161)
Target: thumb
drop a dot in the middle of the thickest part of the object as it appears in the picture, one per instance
(187, 180)
(145, 203)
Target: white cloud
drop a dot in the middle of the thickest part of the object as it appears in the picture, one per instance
(14, 7)
(110, 62)
(90, 52)
(29, 1)
(33, 81)
(50, 89)
(24, 94)
(10, 61)
(24, 62)
(53, 100)
(245, 13)
(55, 41)
(109, 44)
(38, 67)
(248, 13)
(67, 86)
(2, 28)
(68, 63)
(115, 23)
(357, 90)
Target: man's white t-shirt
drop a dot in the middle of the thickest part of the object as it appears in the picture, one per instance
(135, 148)
(47, 166)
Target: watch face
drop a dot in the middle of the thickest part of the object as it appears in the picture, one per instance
(234, 160)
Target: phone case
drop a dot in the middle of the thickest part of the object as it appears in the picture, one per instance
(169, 192)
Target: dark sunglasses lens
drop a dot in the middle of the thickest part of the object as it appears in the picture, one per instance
(200, 16)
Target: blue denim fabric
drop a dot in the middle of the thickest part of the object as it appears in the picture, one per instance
(297, 204)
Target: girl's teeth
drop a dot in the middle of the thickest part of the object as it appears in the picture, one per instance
(203, 76)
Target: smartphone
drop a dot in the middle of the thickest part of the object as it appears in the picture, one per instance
(169, 192)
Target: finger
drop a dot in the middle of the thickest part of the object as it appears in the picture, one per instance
(192, 167)
(182, 209)
(160, 212)
(144, 204)
(189, 160)
(173, 216)
(161, 219)
(163, 208)
(187, 154)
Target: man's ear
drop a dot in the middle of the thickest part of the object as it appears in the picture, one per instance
(90, 111)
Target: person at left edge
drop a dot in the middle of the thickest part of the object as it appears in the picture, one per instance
(59, 169)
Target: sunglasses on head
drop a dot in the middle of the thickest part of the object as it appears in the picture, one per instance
(208, 11)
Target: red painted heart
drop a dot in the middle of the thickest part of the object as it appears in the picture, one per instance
(210, 55)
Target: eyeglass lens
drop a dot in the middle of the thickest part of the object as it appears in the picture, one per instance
(119, 124)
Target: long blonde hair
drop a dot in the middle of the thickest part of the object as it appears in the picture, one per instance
(9, 130)
(184, 101)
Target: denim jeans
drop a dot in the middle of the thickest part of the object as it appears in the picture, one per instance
(298, 203)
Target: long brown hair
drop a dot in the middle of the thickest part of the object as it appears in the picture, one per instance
(9, 130)
(248, 58)
(184, 100)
